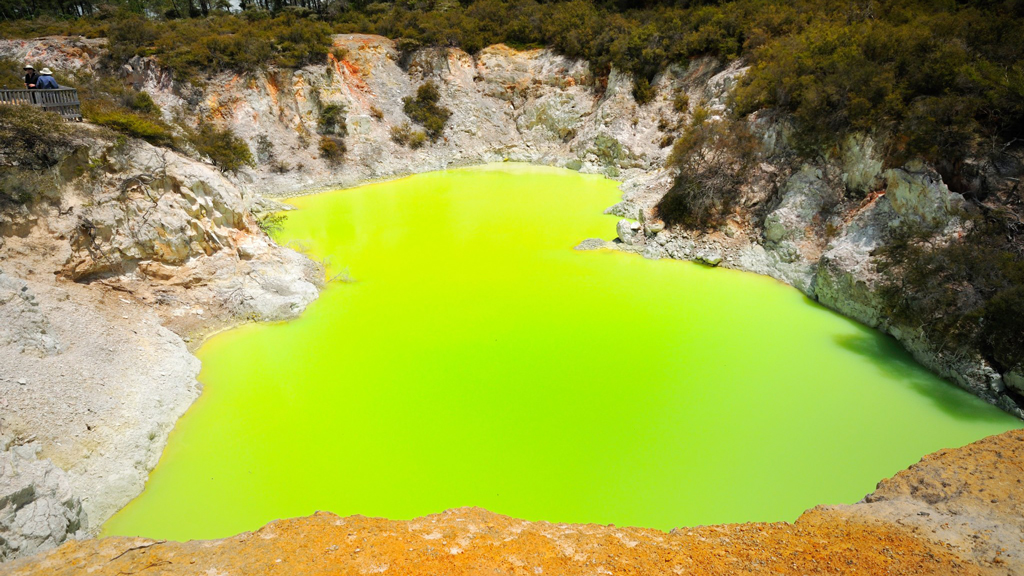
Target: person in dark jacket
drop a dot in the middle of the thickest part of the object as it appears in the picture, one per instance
(30, 77)
(46, 81)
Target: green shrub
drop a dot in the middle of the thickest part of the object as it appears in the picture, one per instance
(417, 140)
(131, 124)
(406, 136)
(332, 120)
(272, 223)
(332, 148)
(10, 74)
(681, 102)
(109, 102)
(713, 158)
(31, 138)
(643, 92)
(963, 292)
(425, 111)
(228, 152)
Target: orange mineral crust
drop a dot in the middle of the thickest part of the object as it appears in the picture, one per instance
(955, 512)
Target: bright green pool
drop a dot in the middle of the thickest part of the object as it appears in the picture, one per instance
(477, 360)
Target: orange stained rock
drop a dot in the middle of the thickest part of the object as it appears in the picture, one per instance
(886, 535)
(474, 541)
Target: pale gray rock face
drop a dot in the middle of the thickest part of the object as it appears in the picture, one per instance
(24, 325)
(917, 191)
(803, 197)
(861, 165)
(61, 53)
(653, 252)
(38, 509)
(166, 209)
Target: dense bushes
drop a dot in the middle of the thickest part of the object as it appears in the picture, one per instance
(713, 158)
(110, 103)
(425, 110)
(30, 141)
(332, 120)
(31, 138)
(963, 292)
(937, 83)
(229, 152)
(196, 48)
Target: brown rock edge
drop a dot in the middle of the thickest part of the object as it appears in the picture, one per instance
(958, 511)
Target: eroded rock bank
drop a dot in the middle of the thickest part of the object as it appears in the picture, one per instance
(956, 512)
(98, 292)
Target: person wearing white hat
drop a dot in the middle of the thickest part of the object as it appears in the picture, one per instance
(46, 81)
(30, 77)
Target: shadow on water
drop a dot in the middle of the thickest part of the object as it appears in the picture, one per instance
(889, 356)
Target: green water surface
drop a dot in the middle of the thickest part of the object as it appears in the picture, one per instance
(477, 360)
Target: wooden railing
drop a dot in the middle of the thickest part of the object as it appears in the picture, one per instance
(63, 101)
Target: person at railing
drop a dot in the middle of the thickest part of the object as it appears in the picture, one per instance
(30, 77)
(46, 81)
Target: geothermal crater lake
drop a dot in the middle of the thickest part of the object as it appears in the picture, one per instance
(476, 359)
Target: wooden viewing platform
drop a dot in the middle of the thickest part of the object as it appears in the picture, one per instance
(63, 101)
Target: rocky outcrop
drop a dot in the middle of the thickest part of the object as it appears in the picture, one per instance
(62, 53)
(25, 327)
(956, 512)
(38, 509)
(141, 239)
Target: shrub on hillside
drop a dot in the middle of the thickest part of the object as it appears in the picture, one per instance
(228, 152)
(31, 138)
(132, 124)
(109, 102)
(425, 111)
(643, 92)
(963, 292)
(195, 48)
(713, 158)
(931, 81)
(30, 142)
(332, 120)
(406, 136)
(332, 148)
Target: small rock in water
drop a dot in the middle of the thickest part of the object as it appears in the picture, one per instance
(709, 258)
(624, 230)
(590, 244)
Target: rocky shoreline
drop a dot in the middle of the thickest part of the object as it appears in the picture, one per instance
(149, 249)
